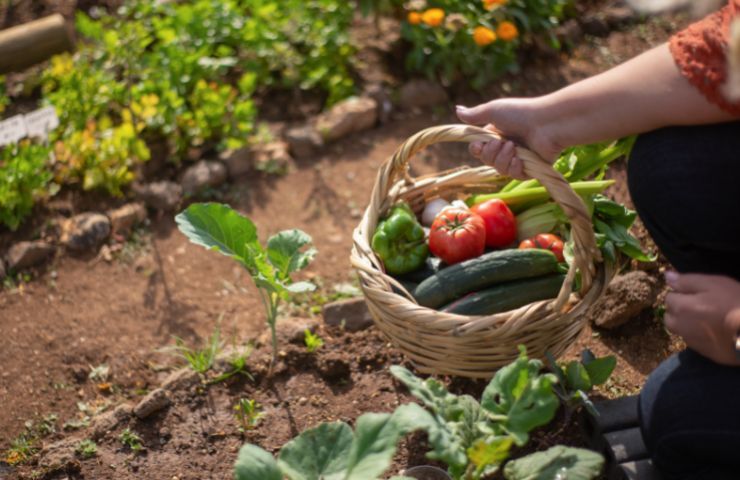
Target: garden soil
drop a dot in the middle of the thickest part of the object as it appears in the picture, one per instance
(121, 310)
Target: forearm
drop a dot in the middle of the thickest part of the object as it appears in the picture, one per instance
(640, 95)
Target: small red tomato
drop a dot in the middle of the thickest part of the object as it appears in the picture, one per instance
(500, 222)
(545, 241)
(457, 234)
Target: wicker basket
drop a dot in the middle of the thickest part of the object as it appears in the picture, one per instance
(473, 346)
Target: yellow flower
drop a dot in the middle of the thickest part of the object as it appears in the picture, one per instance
(483, 36)
(433, 17)
(491, 4)
(414, 18)
(14, 457)
(507, 31)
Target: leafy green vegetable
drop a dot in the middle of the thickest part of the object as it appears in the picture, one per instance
(25, 176)
(577, 378)
(332, 451)
(557, 463)
(218, 227)
(473, 438)
(612, 222)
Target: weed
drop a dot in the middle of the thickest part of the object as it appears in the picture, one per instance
(313, 341)
(131, 440)
(200, 360)
(86, 448)
(21, 449)
(99, 373)
(238, 366)
(248, 414)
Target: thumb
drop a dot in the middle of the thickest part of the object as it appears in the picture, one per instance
(478, 115)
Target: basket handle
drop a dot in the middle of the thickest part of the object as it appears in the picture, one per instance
(584, 242)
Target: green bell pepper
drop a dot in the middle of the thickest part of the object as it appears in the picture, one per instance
(399, 241)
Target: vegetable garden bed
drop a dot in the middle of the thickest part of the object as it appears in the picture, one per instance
(61, 324)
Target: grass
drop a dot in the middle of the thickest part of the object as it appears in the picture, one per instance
(313, 341)
(200, 360)
(248, 414)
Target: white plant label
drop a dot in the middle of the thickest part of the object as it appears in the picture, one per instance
(40, 122)
(12, 129)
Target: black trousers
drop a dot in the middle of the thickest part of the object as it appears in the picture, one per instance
(685, 183)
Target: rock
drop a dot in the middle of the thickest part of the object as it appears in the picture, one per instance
(238, 161)
(124, 218)
(419, 93)
(164, 195)
(348, 116)
(27, 254)
(353, 314)
(272, 157)
(626, 296)
(570, 32)
(595, 25)
(60, 457)
(85, 231)
(619, 15)
(333, 367)
(104, 423)
(155, 401)
(383, 100)
(182, 379)
(202, 175)
(304, 141)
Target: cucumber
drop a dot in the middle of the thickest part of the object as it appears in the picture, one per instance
(507, 296)
(483, 272)
(431, 266)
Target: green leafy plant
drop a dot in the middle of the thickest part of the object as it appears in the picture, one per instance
(333, 450)
(218, 227)
(248, 413)
(200, 360)
(25, 176)
(131, 440)
(577, 378)
(21, 449)
(474, 439)
(476, 41)
(313, 341)
(558, 462)
(86, 448)
(237, 366)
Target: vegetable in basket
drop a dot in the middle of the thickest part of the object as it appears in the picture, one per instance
(457, 234)
(500, 222)
(399, 241)
(545, 241)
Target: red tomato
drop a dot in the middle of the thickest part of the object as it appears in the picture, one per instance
(500, 222)
(545, 241)
(457, 234)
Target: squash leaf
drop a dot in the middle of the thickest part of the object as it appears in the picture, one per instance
(556, 463)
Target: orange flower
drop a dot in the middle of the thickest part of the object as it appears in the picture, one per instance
(491, 4)
(433, 17)
(507, 31)
(483, 36)
(414, 18)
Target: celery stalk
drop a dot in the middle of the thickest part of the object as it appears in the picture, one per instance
(536, 195)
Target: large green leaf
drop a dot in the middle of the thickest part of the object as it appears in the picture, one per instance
(599, 369)
(578, 378)
(557, 463)
(519, 392)
(253, 463)
(219, 227)
(284, 251)
(318, 453)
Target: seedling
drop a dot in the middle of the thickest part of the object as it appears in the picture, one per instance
(248, 414)
(576, 378)
(313, 341)
(219, 227)
(238, 364)
(21, 449)
(200, 360)
(86, 448)
(99, 373)
(131, 440)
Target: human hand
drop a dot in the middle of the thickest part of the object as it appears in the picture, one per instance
(705, 311)
(515, 119)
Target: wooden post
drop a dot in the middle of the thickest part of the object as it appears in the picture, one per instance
(25, 45)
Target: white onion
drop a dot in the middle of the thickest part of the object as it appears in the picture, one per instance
(431, 210)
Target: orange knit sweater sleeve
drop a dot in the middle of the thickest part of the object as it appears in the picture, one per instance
(700, 51)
